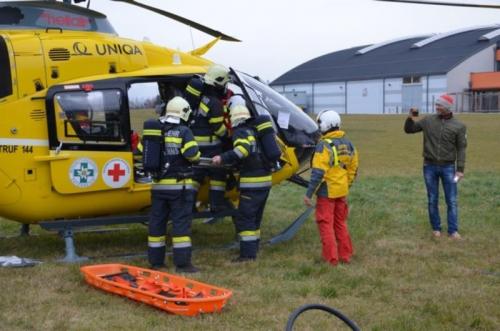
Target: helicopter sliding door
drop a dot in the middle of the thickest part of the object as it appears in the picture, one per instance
(89, 140)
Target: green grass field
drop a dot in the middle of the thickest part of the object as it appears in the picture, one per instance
(399, 279)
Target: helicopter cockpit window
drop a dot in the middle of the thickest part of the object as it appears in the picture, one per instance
(46, 15)
(89, 117)
(297, 128)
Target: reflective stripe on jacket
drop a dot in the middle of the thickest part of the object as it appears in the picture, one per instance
(180, 151)
(173, 184)
(245, 153)
(208, 122)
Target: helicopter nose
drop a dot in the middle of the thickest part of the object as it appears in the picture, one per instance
(305, 148)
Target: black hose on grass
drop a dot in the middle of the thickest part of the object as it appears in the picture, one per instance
(333, 311)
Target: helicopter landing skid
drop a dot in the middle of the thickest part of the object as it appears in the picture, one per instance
(25, 230)
(66, 230)
(215, 217)
(292, 229)
(71, 256)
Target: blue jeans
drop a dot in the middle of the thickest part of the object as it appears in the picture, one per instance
(432, 174)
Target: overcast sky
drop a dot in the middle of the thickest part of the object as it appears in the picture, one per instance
(278, 35)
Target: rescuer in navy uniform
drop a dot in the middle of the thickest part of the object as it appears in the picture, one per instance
(169, 149)
(255, 180)
(205, 96)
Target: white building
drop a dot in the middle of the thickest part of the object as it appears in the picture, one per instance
(393, 76)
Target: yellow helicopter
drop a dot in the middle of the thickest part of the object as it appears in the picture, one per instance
(73, 94)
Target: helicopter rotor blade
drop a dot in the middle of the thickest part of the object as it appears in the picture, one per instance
(438, 3)
(181, 19)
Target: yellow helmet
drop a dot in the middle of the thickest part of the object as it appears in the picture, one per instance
(177, 109)
(217, 75)
(239, 113)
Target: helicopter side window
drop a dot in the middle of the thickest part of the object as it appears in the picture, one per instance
(89, 117)
(5, 77)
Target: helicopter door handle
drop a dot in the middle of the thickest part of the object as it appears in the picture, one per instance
(53, 28)
(57, 157)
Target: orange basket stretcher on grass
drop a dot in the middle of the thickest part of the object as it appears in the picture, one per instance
(174, 294)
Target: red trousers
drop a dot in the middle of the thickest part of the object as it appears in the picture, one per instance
(331, 217)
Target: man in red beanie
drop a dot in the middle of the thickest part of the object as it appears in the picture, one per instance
(445, 141)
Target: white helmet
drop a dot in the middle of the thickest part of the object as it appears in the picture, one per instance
(239, 114)
(328, 119)
(217, 75)
(177, 109)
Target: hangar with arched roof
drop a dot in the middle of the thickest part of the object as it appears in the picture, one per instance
(395, 75)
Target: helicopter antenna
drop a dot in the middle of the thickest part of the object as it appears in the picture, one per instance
(452, 4)
(181, 19)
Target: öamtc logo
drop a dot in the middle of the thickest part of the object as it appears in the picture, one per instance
(83, 172)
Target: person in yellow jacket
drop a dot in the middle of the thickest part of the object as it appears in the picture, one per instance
(334, 168)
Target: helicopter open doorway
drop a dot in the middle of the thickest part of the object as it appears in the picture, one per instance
(105, 115)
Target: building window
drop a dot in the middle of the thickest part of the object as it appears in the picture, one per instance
(411, 80)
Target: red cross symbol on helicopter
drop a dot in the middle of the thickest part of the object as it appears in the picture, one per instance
(116, 172)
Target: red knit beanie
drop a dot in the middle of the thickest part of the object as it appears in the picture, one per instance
(445, 101)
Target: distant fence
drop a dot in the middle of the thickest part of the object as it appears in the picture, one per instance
(476, 102)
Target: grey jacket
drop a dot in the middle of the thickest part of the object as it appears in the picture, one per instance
(445, 140)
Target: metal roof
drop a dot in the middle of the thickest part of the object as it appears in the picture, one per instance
(396, 59)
